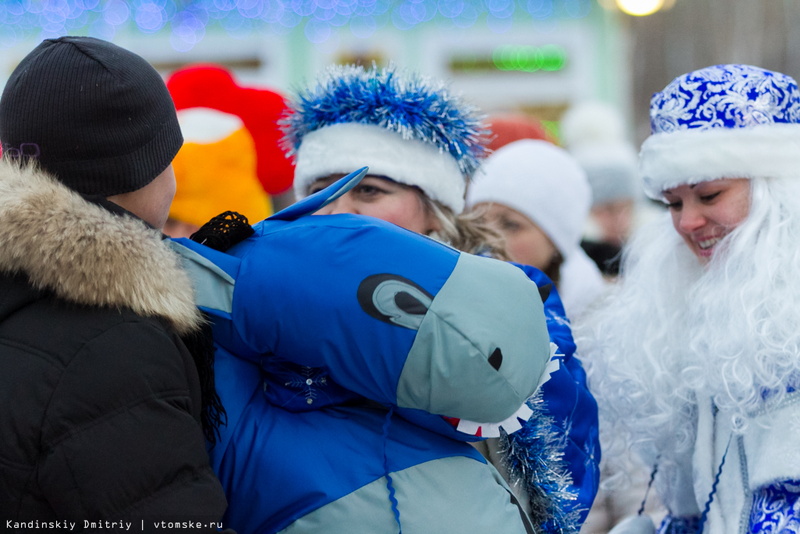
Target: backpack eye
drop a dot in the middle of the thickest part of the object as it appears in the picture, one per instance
(496, 359)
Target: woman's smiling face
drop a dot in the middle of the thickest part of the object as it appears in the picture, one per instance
(704, 213)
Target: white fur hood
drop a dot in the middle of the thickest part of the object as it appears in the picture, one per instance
(85, 254)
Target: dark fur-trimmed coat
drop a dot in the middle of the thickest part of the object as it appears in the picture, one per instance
(99, 398)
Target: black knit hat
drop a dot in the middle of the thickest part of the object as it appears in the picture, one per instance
(95, 115)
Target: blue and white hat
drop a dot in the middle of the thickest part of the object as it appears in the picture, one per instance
(400, 125)
(724, 121)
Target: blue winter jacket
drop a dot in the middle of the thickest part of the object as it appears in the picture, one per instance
(564, 432)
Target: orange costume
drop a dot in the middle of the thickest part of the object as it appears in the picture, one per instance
(231, 158)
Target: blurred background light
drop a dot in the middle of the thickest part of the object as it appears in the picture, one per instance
(640, 8)
(188, 21)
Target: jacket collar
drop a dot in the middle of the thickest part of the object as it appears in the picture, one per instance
(85, 252)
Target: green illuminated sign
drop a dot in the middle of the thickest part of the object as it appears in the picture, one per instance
(514, 58)
(529, 58)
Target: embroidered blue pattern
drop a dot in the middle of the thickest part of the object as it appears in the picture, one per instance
(776, 509)
(725, 96)
(299, 388)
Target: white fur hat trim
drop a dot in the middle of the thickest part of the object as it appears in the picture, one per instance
(344, 147)
(671, 159)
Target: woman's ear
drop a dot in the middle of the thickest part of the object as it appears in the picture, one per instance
(433, 223)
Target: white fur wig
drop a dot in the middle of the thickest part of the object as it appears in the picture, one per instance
(674, 328)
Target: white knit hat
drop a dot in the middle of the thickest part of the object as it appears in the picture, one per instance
(541, 181)
(400, 125)
(723, 121)
(546, 184)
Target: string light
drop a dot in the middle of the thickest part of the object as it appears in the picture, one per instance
(189, 21)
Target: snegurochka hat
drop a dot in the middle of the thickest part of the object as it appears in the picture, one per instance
(723, 121)
(399, 124)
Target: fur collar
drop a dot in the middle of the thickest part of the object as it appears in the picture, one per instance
(85, 254)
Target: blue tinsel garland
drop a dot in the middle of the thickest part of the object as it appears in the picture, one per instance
(534, 457)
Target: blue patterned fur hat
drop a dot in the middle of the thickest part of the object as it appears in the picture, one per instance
(724, 121)
(401, 125)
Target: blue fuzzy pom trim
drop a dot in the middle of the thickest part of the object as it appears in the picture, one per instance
(409, 104)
